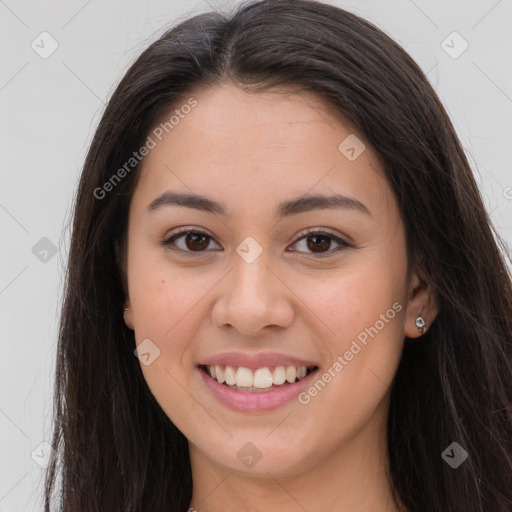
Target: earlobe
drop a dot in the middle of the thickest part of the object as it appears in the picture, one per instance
(422, 307)
(128, 315)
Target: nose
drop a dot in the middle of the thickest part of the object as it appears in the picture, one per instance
(253, 299)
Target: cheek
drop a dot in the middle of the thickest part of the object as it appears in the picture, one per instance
(166, 302)
(360, 312)
(353, 298)
(363, 356)
(164, 297)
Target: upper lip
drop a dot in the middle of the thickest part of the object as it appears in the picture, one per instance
(254, 361)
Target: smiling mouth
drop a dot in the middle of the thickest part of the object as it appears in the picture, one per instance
(259, 380)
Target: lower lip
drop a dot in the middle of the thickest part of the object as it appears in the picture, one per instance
(255, 402)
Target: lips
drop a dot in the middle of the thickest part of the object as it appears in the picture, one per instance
(256, 382)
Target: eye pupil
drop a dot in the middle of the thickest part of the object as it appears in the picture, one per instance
(324, 246)
(195, 237)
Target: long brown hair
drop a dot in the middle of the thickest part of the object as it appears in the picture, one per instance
(117, 450)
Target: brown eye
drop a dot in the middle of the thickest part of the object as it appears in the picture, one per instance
(196, 241)
(319, 242)
(188, 241)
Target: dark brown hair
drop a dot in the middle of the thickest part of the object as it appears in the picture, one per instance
(117, 450)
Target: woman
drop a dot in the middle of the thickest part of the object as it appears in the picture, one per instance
(284, 292)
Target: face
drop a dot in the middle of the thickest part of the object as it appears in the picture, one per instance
(266, 286)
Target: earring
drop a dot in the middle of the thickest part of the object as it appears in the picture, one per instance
(420, 324)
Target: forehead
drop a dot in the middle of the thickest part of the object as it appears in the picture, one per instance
(258, 147)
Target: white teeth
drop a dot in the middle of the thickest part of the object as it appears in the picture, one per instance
(261, 378)
(279, 375)
(291, 374)
(229, 376)
(244, 377)
(219, 373)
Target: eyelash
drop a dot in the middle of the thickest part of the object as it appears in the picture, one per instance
(302, 235)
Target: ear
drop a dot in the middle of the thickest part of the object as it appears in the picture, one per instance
(421, 302)
(128, 314)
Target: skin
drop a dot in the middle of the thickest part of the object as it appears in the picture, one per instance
(250, 152)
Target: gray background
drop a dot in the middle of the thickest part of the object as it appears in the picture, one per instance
(50, 108)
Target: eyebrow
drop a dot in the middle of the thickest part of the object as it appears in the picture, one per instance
(301, 204)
